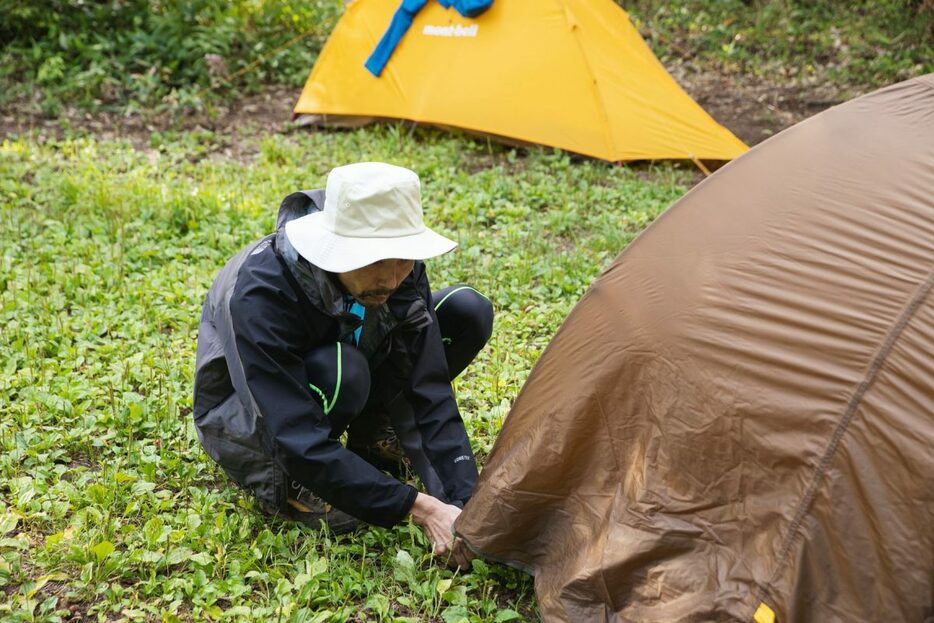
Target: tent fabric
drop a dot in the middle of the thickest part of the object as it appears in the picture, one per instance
(573, 74)
(740, 410)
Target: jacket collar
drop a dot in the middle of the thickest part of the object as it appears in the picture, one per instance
(316, 284)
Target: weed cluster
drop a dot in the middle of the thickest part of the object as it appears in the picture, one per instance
(168, 54)
(862, 43)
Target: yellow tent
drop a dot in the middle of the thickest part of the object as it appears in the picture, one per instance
(573, 74)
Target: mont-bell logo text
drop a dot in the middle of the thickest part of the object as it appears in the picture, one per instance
(454, 30)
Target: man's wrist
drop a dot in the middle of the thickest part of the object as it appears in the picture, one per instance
(421, 507)
(409, 502)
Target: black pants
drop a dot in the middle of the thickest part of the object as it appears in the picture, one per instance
(340, 376)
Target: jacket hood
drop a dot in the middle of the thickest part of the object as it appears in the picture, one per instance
(299, 204)
(315, 283)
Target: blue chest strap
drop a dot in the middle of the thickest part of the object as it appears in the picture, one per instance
(354, 307)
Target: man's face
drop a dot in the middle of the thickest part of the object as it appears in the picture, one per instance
(372, 284)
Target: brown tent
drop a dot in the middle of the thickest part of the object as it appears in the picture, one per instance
(737, 419)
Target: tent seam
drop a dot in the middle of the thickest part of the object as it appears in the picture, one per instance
(804, 506)
(598, 96)
(608, 596)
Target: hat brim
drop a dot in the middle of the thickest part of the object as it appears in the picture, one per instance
(341, 254)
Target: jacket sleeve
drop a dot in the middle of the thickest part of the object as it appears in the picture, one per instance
(429, 391)
(268, 331)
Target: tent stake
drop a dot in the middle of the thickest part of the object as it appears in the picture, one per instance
(700, 165)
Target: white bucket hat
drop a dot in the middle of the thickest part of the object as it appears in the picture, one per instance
(372, 211)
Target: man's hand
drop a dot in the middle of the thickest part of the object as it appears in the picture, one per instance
(461, 555)
(437, 519)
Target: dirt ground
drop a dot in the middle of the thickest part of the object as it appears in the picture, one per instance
(752, 108)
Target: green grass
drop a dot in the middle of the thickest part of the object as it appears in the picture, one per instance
(858, 44)
(108, 505)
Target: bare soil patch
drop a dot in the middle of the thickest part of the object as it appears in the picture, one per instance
(238, 122)
(752, 108)
(755, 108)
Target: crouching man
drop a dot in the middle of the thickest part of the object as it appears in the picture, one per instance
(327, 327)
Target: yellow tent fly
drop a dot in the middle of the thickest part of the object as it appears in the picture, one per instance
(573, 74)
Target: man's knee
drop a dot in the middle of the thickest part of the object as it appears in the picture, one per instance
(462, 310)
(339, 378)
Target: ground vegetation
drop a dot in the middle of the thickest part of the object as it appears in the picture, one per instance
(143, 143)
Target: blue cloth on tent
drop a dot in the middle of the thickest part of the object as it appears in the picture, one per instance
(402, 21)
(467, 8)
(400, 24)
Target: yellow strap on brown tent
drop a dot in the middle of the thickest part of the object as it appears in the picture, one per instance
(764, 614)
